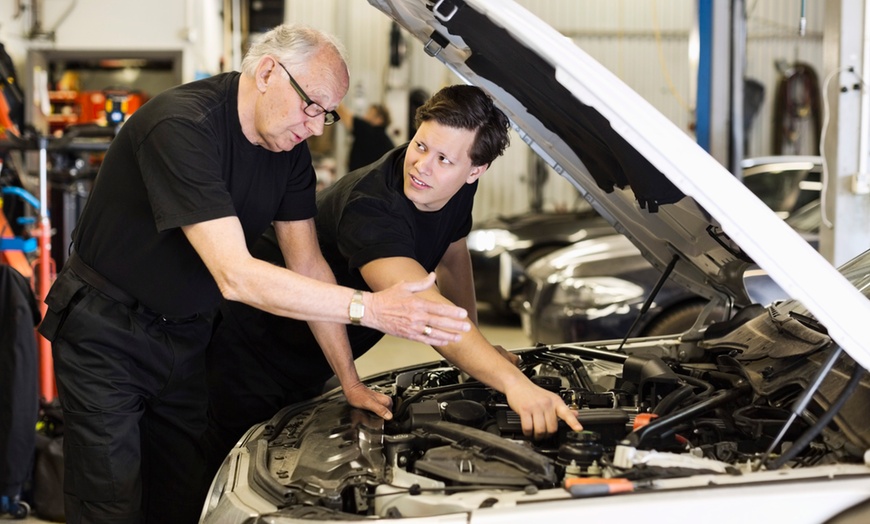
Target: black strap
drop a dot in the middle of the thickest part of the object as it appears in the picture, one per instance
(99, 282)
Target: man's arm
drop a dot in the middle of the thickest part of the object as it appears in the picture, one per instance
(298, 242)
(539, 410)
(455, 278)
(456, 283)
(398, 310)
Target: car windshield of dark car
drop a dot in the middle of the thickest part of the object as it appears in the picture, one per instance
(807, 219)
(856, 271)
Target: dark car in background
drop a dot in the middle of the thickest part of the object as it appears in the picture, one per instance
(597, 289)
(556, 305)
(594, 290)
(503, 246)
(785, 183)
(760, 418)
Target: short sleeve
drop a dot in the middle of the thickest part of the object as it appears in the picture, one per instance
(182, 173)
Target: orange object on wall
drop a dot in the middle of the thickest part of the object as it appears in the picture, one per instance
(6, 123)
(93, 104)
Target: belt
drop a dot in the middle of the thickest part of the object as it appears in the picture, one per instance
(104, 286)
(99, 282)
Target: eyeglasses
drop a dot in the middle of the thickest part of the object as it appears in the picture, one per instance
(312, 108)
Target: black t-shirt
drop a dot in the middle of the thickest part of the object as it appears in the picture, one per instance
(369, 144)
(182, 159)
(365, 216)
(362, 217)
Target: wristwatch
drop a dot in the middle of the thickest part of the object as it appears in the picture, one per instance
(356, 309)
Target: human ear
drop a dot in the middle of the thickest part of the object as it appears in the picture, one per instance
(475, 173)
(265, 69)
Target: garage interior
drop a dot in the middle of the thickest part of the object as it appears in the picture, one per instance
(746, 79)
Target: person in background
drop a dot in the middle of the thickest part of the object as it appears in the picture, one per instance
(193, 177)
(397, 219)
(370, 138)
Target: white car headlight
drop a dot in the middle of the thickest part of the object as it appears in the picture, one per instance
(488, 240)
(593, 292)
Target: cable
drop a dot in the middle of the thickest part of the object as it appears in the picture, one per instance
(825, 121)
(823, 421)
(803, 400)
(673, 400)
(660, 425)
(662, 64)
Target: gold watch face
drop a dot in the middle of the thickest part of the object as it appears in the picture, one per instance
(357, 309)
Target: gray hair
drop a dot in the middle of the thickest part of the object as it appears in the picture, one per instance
(293, 45)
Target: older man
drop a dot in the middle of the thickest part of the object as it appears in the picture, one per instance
(193, 177)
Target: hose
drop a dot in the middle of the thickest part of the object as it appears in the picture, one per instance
(636, 438)
(822, 422)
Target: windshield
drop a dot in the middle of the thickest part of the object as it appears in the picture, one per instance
(857, 272)
(807, 219)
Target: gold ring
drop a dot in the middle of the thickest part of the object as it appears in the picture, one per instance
(427, 330)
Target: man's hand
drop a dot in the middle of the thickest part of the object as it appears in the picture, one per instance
(360, 396)
(540, 410)
(397, 311)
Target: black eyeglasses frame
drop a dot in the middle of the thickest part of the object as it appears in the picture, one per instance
(312, 108)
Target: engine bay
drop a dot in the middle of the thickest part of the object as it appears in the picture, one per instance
(655, 409)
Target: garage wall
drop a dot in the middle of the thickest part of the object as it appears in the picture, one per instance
(644, 43)
(189, 26)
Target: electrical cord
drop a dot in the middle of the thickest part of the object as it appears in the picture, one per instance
(662, 64)
(822, 136)
(804, 440)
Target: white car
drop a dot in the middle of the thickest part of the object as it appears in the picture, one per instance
(758, 418)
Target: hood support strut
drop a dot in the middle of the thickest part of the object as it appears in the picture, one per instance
(646, 305)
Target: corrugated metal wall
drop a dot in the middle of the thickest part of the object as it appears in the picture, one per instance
(645, 43)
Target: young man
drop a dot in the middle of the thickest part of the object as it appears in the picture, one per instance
(398, 219)
(192, 178)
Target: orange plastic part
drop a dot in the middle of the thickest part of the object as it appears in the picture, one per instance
(642, 419)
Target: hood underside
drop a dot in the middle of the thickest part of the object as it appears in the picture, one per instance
(635, 167)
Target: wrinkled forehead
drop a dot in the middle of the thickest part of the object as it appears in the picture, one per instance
(325, 78)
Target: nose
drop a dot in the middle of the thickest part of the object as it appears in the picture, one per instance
(422, 164)
(315, 124)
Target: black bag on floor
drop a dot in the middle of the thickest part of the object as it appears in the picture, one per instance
(48, 470)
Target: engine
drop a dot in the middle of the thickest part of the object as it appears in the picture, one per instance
(454, 443)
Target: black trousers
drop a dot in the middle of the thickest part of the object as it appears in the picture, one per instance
(133, 391)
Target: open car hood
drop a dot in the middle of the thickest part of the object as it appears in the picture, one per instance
(634, 166)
